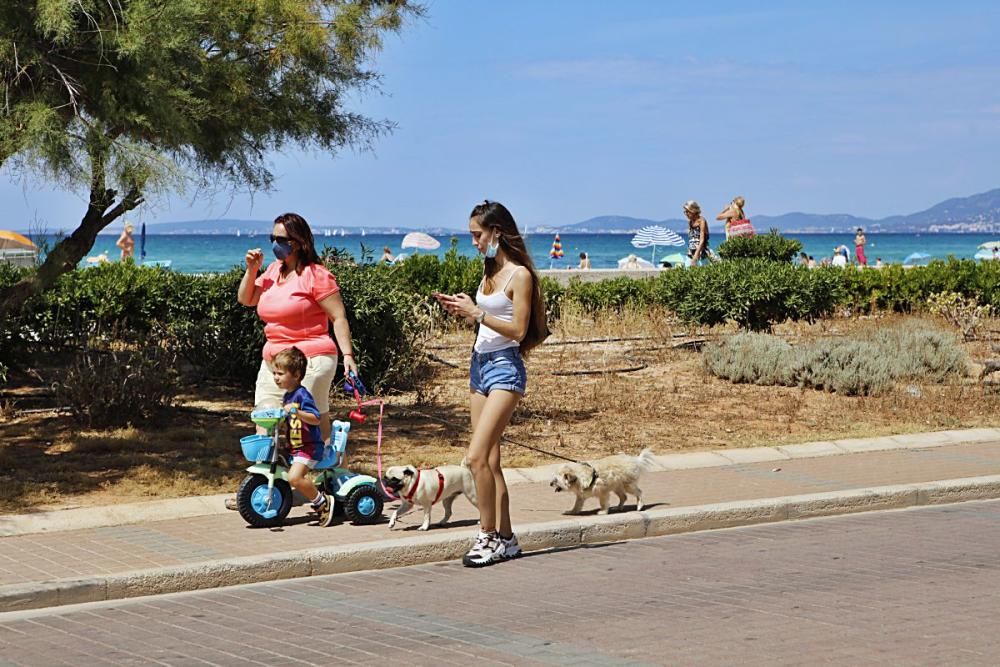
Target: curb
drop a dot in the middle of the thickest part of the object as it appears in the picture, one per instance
(570, 532)
(184, 508)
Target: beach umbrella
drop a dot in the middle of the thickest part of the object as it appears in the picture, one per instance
(142, 244)
(556, 253)
(983, 254)
(990, 245)
(420, 241)
(675, 259)
(14, 241)
(635, 262)
(916, 257)
(654, 235)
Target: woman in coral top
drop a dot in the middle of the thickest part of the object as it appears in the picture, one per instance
(297, 296)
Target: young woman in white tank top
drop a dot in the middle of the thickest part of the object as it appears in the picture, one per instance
(510, 315)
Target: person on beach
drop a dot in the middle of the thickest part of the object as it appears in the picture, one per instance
(304, 438)
(737, 223)
(297, 297)
(878, 262)
(697, 232)
(584, 261)
(859, 247)
(510, 315)
(126, 242)
(840, 256)
(811, 263)
(387, 257)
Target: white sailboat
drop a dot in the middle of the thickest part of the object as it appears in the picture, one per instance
(363, 232)
(237, 232)
(341, 231)
(326, 232)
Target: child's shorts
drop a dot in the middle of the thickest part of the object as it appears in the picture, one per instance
(503, 369)
(304, 456)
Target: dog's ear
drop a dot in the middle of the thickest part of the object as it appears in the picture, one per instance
(409, 471)
(570, 478)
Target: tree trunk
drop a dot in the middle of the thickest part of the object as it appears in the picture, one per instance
(65, 256)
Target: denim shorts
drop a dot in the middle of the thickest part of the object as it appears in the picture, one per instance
(503, 369)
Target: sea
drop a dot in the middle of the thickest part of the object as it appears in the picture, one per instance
(219, 253)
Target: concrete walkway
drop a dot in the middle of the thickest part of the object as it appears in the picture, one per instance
(42, 565)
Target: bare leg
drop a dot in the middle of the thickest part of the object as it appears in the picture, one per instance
(503, 498)
(490, 416)
(299, 476)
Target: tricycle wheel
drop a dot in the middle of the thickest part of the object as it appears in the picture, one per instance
(363, 505)
(252, 501)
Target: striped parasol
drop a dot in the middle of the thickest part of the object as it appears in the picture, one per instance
(654, 235)
(557, 252)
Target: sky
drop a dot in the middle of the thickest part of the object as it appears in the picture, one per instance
(569, 109)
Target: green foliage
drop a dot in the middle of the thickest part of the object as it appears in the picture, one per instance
(772, 246)
(849, 366)
(904, 290)
(426, 274)
(105, 388)
(964, 313)
(754, 293)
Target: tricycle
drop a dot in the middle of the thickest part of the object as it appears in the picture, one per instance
(264, 498)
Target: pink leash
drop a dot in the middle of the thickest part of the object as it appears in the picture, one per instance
(359, 416)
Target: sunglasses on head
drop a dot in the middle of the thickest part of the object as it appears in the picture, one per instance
(279, 239)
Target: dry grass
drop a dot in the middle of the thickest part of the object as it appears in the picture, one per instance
(670, 405)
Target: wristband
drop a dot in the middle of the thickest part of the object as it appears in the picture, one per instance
(480, 317)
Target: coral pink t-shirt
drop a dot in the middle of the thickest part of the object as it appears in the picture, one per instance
(291, 311)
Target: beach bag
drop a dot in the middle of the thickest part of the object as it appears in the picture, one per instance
(741, 228)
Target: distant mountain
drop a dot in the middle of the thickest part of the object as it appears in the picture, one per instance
(249, 227)
(976, 213)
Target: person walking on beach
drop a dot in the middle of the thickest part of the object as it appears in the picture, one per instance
(510, 315)
(697, 232)
(737, 223)
(859, 247)
(126, 242)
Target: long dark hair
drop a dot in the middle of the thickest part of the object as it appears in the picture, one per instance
(495, 216)
(298, 230)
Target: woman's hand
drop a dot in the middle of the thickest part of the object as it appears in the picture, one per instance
(350, 366)
(459, 305)
(254, 260)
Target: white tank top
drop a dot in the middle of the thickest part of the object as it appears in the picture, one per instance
(497, 305)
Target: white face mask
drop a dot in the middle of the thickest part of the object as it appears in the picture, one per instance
(493, 247)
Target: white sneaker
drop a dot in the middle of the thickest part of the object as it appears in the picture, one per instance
(510, 548)
(484, 551)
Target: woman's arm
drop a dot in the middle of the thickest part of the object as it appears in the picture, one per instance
(333, 305)
(248, 293)
(726, 214)
(702, 238)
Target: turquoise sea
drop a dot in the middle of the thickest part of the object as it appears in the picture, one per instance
(215, 253)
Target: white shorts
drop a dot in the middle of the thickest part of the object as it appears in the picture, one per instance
(318, 380)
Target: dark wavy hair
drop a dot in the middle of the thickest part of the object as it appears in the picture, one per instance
(495, 216)
(298, 230)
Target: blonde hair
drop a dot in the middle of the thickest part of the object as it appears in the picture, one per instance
(691, 206)
(737, 205)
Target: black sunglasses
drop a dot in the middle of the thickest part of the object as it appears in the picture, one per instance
(279, 239)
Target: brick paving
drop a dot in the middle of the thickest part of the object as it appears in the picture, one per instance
(43, 557)
(913, 586)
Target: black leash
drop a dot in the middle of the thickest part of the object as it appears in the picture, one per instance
(503, 438)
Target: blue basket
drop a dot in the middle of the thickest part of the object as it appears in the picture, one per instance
(256, 448)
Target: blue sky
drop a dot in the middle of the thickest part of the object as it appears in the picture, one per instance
(565, 110)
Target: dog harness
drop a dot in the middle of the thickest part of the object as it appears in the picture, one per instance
(408, 497)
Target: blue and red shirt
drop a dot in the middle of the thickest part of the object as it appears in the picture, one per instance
(301, 436)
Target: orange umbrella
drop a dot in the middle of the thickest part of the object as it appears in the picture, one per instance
(13, 240)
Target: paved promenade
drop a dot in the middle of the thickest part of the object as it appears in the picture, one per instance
(910, 587)
(700, 491)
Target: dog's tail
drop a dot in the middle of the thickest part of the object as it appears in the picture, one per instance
(646, 459)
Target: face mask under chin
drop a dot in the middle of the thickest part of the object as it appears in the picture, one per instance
(492, 248)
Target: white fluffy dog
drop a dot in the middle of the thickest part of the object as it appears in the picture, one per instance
(618, 474)
(425, 487)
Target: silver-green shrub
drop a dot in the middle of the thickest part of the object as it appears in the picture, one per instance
(849, 366)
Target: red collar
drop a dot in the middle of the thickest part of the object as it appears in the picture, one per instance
(408, 497)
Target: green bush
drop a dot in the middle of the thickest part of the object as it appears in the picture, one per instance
(753, 293)
(849, 366)
(894, 288)
(425, 274)
(771, 246)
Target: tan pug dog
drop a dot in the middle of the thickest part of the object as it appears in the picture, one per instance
(426, 487)
(618, 474)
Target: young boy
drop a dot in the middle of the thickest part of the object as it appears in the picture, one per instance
(304, 437)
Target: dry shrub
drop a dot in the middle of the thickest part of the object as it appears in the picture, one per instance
(853, 366)
(116, 388)
(964, 313)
